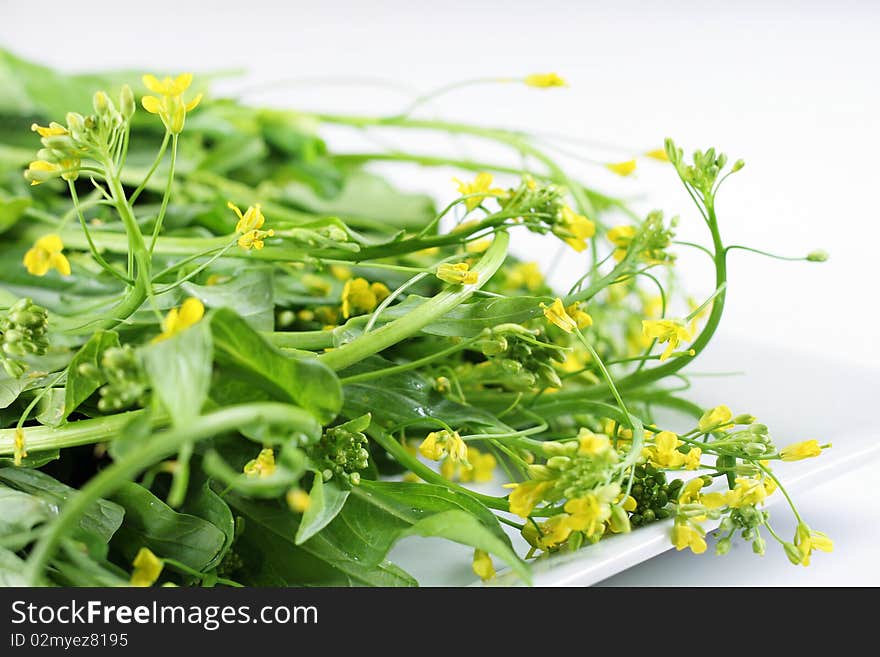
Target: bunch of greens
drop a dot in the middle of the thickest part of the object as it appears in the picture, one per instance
(231, 356)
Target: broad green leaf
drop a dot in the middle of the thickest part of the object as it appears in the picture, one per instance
(11, 210)
(247, 355)
(51, 408)
(249, 292)
(271, 557)
(204, 503)
(11, 569)
(468, 319)
(101, 519)
(151, 523)
(325, 502)
(11, 388)
(179, 370)
(387, 511)
(19, 513)
(84, 374)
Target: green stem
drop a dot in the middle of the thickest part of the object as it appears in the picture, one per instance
(157, 228)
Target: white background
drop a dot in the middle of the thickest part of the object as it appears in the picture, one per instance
(790, 87)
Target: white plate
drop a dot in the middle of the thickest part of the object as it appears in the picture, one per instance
(799, 396)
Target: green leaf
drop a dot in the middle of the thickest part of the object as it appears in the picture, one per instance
(100, 521)
(179, 370)
(151, 523)
(19, 513)
(271, 557)
(469, 319)
(249, 292)
(11, 569)
(11, 388)
(387, 511)
(248, 356)
(11, 210)
(204, 503)
(84, 375)
(325, 502)
(51, 408)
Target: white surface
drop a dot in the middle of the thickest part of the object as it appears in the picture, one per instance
(790, 87)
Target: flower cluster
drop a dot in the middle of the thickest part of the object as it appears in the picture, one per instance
(249, 227)
(359, 296)
(23, 332)
(342, 450)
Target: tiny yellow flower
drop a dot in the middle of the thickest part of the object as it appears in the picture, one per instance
(690, 494)
(360, 296)
(622, 168)
(581, 317)
(480, 466)
(686, 536)
(249, 226)
(457, 273)
(715, 419)
(40, 171)
(525, 274)
(438, 444)
(20, 451)
(574, 229)
(482, 565)
(664, 452)
(170, 105)
(658, 154)
(147, 568)
(556, 314)
(297, 499)
(747, 492)
(46, 254)
(481, 187)
(53, 130)
(544, 80)
(262, 466)
(692, 458)
(807, 540)
(670, 331)
(803, 450)
(621, 237)
(179, 319)
(555, 530)
(526, 495)
(587, 514)
(590, 444)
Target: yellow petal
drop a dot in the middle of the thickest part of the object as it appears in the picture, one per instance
(191, 105)
(37, 262)
(182, 82)
(51, 243)
(61, 263)
(152, 104)
(191, 312)
(622, 168)
(152, 83)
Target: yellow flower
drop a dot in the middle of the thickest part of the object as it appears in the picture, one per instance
(747, 492)
(622, 168)
(574, 229)
(715, 500)
(249, 226)
(179, 319)
(670, 331)
(715, 419)
(40, 171)
(588, 514)
(525, 274)
(690, 494)
(807, 540)
(481, 187)
(262, 466)
(803, 450)
(621, 237)
(555, 530)
(457, 273)
(444, 443)
(581, 317)
(664, 452)
(46, 254)
(545, 80)
(590, 444)
(526, 495)
(53, 130)
(556, 314)
(658, 154)
(297, 499)
(147, 568)
(20, 451)
(482, 565)
(170, 105)
(480, 466)
(360, 296)
(692, 458)
(687, 536)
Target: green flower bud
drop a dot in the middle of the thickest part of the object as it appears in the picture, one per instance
(759, 545)
(559, 462)
(540, 472)
(745, 418)
(619, 520)
(722, 546)
(76, 126)
(817, 256)
(13, 368)
(793, 553)
(739, 164)
(101, 103)
(126, 102)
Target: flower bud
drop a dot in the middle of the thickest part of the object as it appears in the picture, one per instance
(540, 472)
(739, 164)
(101, 103)
(722, 546)
(559, 462)
(126, 102)
(745, 418)
(793, 553)
(817, 256)
(619, 520)
(759, 545)
(13, 368)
